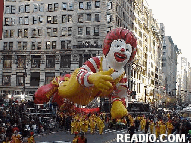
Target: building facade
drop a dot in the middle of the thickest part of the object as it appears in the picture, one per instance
(44, 39)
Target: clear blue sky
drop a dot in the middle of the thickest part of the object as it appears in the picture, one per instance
(176, 16)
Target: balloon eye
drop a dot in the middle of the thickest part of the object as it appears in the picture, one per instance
(118, 46)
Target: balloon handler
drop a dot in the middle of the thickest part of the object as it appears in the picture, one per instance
(102, 76)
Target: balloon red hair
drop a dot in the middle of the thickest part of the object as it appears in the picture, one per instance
(120, 33)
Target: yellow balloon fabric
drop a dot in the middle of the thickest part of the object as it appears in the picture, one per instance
(118, 110)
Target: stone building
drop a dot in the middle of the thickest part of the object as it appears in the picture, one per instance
(43, 39)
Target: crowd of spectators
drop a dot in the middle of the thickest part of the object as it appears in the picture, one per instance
(28, 117)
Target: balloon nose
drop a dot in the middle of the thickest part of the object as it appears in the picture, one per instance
(122, 50)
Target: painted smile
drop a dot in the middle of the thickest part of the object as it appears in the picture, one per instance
(120, 57)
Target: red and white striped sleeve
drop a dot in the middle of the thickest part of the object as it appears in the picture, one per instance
(90, 66)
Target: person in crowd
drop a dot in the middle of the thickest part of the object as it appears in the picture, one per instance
(157, 129)
(16, 137)
(75, 138)
(151, 127)
(147, 125)
(82, 138)
(100, 125)
(169, 127)
(31, 138)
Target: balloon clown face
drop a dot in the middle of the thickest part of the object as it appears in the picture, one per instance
(119, 53)
(119, 47)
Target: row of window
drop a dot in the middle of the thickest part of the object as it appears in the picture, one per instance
(20, 78)
(51, 32)
(22, 45)
(51, 7)
(36, 60)
(25, 20)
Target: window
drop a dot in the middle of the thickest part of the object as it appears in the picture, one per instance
(96, 31)
(69, 31)
(108, 18)
(35, 78)
(41, 7)
(63, 43)
(70, 6)
(109, 5)
(81, 6)
(64, 31)
(20, 79)
(56, 6)
(21, 61)
(39, 45)
(49, 19)
(35, 5)
(49, 76)
(48, 45)
(65, 61)
(88, 5)
(108, 29)
(49, 31)
(24, 45)
(97, 17)
(12, 33)
(20, 20)
(19, 44)
(40, 18)
(80, 31)
(26, 33)
(6, 33)
(50, 61)
(97, 4)
(21, 8)
(80, 18)
(7, 9)
(6, 80)
(35, 61)
(50, 8)
(87, 30)
(55, 21)
(64, 6)
(88, 17)
(40, 32)
(35, 20)
(5, 45)
(10, 45)
(10, 9)
(34, 33)
(27, 8)
(53, 44)
(68, 44)
(26, 20)
(55, 31)
(64, 18)
(6, 21)
(70, 18)
(7, 61)
(33, 45)
(20, 33)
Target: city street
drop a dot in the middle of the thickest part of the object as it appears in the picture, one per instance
(108, 136)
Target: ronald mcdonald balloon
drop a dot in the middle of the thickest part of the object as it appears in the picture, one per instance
(100, 76)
